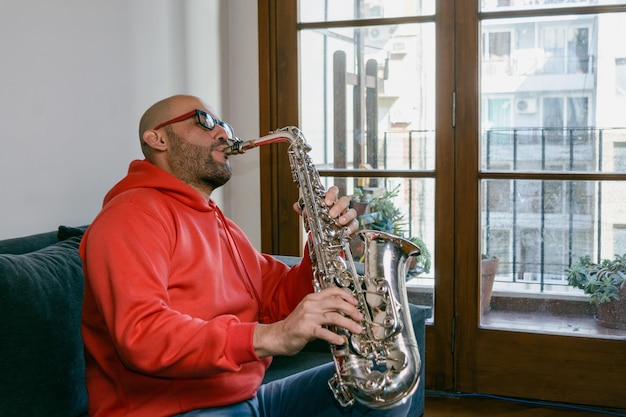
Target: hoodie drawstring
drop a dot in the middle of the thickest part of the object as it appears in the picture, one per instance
(241, 266)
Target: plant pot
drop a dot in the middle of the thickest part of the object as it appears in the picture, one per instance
(613, 314)
(413, 268)
(488, 270)
(360, 207)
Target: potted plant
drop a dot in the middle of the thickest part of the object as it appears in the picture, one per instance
(605, 284)
(386, 216)
(374, 212)
(359, 201)
(488, 269)
(383, 214)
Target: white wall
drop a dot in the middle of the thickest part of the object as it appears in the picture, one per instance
(75, 77)
(242, 193)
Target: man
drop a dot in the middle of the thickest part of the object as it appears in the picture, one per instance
(181, 314)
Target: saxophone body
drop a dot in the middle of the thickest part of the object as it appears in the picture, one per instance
(381, 366)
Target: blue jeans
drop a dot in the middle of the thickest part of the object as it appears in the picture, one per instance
(305, 394)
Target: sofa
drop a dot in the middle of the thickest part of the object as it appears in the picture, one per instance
(41, 352)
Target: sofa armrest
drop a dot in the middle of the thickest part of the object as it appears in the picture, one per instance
(41, 354)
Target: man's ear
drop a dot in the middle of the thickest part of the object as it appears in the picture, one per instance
(155, 140)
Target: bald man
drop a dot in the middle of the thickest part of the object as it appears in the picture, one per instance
(181, 315)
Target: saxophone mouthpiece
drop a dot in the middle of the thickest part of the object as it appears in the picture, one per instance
(238, 147)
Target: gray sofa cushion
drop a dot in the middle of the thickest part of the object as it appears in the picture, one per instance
(41, 353)
(27, 244)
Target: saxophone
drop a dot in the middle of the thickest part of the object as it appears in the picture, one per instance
(381, 366)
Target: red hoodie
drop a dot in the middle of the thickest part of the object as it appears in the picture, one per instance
(173, 292)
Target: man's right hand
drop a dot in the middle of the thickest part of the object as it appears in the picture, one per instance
(329, 307)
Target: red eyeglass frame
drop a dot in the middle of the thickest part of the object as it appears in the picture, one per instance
(178, 119)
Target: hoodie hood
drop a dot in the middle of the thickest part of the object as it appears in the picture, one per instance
(144, 174)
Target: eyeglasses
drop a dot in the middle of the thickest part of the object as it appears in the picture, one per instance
(205, 120)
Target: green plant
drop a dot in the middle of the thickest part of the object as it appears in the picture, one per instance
(357, 195)
(387, 216)
(601, 281)
(423, 260)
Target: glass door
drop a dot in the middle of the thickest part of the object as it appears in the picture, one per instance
(548, 179)
(489, 132)
(368, 106)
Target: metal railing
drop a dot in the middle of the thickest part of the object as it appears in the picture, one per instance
(577, 212)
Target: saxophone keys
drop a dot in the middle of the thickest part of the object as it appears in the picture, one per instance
(389, 322)
(343, 281)
(396, 360)
(373, 383)
(340, 391)
(356, 342)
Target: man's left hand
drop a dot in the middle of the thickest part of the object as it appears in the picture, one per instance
(339, 210)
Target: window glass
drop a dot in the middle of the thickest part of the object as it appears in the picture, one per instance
(499, 5)
(333, 10)
(538, 229)
(548, 107)
(403, 207)
(367, 96)
(550, 95)
(367, 104)
(620, 76)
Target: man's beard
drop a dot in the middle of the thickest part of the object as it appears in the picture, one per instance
(194, 164)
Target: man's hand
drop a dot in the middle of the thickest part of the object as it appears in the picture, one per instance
(329, 307)
(339, 209)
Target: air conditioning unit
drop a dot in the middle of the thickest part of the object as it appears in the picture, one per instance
(378, 33)
(526, 105)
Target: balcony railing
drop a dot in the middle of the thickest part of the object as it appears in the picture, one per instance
(537, 62)
(537, 222)
(545, 197)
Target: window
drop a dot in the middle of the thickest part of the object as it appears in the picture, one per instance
(367, 97)
(619, 239)
(554, 126)
(496, 52)
(566, 49)
(525, 167)
(620, 76)
(619, 155)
